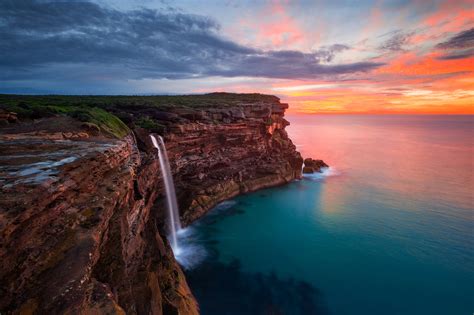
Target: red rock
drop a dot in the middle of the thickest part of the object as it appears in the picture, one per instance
(7, 117)
(86, 233)
(311, 166)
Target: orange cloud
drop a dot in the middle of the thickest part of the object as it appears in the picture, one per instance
(451, 16)
(412, 64)
(414, 81)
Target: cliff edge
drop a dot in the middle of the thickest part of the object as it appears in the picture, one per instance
(82, 215)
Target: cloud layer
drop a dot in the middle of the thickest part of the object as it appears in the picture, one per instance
(459, 46)
(396, 42)
(82, 40)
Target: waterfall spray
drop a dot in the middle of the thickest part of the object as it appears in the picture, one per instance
(173, 211)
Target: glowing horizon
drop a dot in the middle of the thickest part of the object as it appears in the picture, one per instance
(327, 57)
(427, 68)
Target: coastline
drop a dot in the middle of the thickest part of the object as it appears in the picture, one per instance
(107, 204)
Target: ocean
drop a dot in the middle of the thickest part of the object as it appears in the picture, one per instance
(387, 229)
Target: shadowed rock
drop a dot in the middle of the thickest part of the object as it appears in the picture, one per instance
(82, 206)
(312, 166)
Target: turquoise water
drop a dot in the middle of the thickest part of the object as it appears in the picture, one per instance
(388, 229)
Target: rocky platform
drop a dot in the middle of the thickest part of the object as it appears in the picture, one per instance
(82, 217)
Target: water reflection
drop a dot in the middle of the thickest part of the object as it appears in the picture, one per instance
(391, 235)
(401, 158)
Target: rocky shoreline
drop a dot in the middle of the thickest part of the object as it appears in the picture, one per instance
(82, 217)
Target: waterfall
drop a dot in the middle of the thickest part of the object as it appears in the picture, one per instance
(173, 211)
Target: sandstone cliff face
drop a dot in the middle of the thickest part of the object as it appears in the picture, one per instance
(222, 153)
(78, 233)
(82, 217)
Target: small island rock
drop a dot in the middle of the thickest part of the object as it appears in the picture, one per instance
(312, 166)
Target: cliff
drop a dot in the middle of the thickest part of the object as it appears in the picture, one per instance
(82, 201)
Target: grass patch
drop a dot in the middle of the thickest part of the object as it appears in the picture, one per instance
(150, 124)
(106, 121)
(27, 109)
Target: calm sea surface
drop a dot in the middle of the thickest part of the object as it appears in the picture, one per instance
(388, 229)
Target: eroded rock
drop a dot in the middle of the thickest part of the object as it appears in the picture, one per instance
(312, 166)
(82, 219)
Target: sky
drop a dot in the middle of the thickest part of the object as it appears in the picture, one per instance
(328, 56)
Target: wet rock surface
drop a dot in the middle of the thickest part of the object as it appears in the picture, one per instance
(313, 166)
(82, 215)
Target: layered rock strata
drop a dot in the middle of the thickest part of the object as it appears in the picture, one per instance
(82, 217)
(247, 149)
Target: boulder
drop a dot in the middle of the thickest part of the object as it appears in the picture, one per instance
(314, 165)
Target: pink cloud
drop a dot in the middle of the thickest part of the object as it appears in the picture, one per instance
(272, 28)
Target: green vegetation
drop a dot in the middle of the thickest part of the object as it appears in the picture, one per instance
(161, 101)
(150, 124)
(112, 114)
(106, 121)
(38, 107)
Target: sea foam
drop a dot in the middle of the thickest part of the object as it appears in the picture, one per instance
(325, 172)
(191, 251)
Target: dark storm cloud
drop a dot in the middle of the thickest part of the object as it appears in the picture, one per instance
(459, 46)
(280, 65)
(396, 42)
(48, 38)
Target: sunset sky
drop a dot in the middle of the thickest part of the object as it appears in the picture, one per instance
(320, 56)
